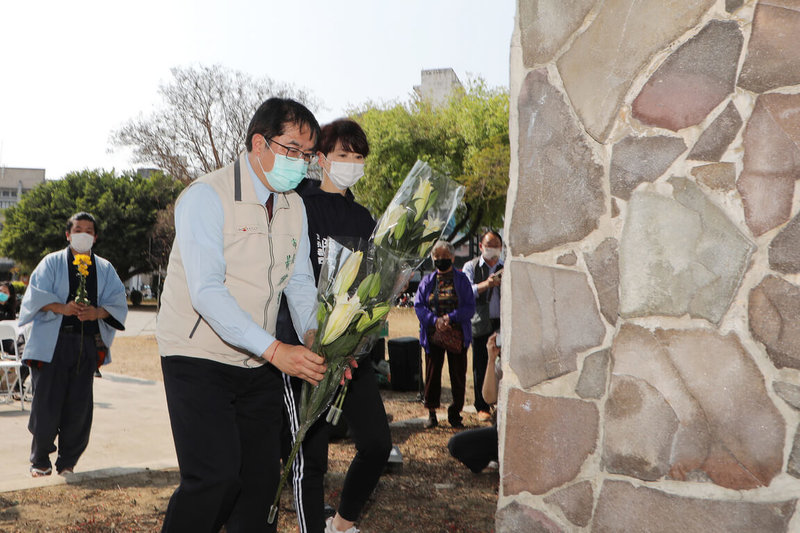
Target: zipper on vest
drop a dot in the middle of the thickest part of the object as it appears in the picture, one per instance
(199, 318)
(271, 261)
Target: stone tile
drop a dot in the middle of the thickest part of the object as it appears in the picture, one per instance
(772, 136)
(772, 60)
(568, 259)
(729, 427)
(554, 316)
(546, 441)
(784, 250)
(560, 190)
(771, 161)
(789, 393)
(639, 159)
(603, 61)
(774, 314)
(693, 80)
(546, 25)
(592, 383)
(679, 254)
(638, 430)
(516, 517)
(793, 467)
(622, 507)
(733, 5)
(718, 176)
(718, 136)
(603, 265)
(575, 501)
(767, 200)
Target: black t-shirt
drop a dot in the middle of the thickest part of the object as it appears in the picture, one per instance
(329, 215)
(90, 327)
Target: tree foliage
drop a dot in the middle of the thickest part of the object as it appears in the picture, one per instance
(467, 139)
(202, 120)
(126, 208)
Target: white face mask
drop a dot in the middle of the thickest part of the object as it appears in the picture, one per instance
(81, 242)
(490, 254)
(345, 175)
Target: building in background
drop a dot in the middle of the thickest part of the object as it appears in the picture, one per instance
(14, 182)
(437, 85)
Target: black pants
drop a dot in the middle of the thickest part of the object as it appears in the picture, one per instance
(64, 402)
(226, 426)
(434, 363)
(366, 419)
(475, 447)
(480, 357)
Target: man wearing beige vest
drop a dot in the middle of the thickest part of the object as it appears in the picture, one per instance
(241, 244)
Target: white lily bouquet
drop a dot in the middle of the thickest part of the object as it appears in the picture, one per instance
(357, 287)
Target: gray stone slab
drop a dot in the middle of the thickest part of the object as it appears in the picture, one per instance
(547, 441)
(713, 142)
(639, 159)
(546, 25)
(592, 382)
(517, 517)
(789, 392)
(604, 60)
(638, 430)
(693, 80)
(718, 176)
(554, 317)
(680, 254)
(575, 501)
(560, 190)
(603, 265)
(784, 250)
(772, 60)
(774, 314)
(624, 508)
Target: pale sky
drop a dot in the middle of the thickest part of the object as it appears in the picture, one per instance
(72, 72)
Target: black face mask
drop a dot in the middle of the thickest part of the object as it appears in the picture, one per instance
(443, 264)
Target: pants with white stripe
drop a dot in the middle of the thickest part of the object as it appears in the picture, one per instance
(366, 419)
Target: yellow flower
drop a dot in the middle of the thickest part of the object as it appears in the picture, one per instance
(431, 225)
(83, 270)
(388, 221)
(82, 259)
(420, 198)
(371, 318)
(344, 310)
(347, 274)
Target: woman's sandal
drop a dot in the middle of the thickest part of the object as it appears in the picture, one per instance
(41, 472)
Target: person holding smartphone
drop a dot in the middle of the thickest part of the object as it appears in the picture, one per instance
(485, 273)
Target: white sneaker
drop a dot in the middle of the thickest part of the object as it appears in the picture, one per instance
(329, 528)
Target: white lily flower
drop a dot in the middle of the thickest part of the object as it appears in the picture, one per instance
(347, 274)
(344, 311)
(420, 198)
(388, 221)
(431, 225)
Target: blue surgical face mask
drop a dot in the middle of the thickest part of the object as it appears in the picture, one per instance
(3, 297)
(286, 173)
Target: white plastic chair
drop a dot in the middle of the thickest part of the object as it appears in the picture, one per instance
(11, 361)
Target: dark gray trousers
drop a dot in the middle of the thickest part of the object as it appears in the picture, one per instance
(64, 402)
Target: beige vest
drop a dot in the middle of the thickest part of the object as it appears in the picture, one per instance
(259, 258)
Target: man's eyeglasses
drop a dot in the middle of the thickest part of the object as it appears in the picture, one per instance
(294, 154)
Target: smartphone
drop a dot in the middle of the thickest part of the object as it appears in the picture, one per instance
(499, 339)
(499, 273)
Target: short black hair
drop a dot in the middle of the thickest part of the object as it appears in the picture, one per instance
(272, 116)
(490, 232)
(345, 131)
(83, 215)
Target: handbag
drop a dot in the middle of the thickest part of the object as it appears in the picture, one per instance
(450, 338)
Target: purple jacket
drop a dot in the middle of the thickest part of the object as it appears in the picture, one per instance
(462, 315)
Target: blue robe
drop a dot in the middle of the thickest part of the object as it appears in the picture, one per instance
(49, 283)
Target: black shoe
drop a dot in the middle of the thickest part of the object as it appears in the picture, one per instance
(458, 424)
(432, 421)
(328, 510)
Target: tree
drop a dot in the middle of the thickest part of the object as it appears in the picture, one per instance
(126, 207)
(467, 139)
(202, 121)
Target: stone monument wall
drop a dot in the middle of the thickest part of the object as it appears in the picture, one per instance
(652, 365)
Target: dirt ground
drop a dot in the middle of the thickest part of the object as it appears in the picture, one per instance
(432, 492)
